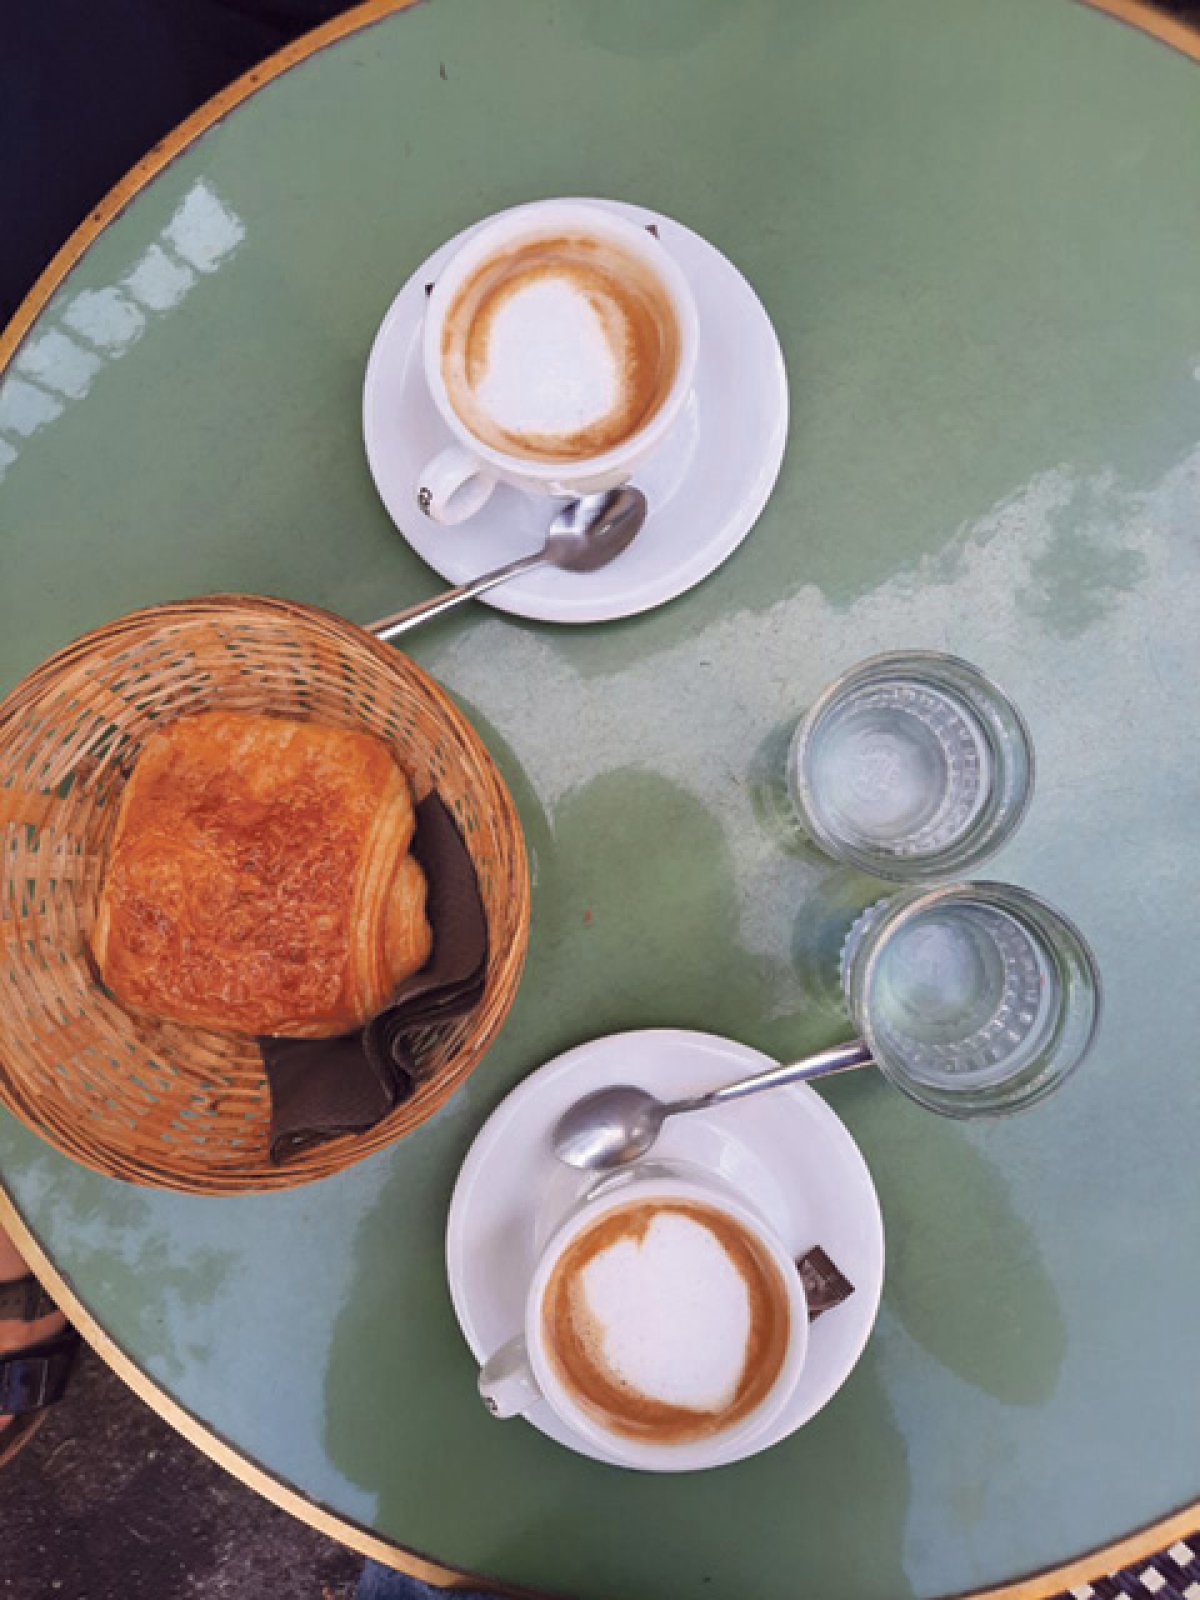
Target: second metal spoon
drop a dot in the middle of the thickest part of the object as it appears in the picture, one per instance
(585, 535)
(617, 1125)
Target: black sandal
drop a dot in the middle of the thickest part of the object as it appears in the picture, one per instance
(34, 1378)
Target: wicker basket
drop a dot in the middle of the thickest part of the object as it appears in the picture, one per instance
(155, 1103)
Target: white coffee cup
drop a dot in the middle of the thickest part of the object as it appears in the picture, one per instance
(457, 482)
(521, 1373)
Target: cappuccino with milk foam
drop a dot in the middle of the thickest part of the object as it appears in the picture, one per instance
(559, 347)
(666, 1321)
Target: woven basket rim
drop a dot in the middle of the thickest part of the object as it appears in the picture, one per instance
(406, 679)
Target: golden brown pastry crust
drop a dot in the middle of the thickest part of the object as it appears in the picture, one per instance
(259, 879)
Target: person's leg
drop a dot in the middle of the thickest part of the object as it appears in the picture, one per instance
(381, 1583)
(28, 1328)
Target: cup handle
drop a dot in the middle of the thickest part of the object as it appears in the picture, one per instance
(507, 1386)
(454, 485)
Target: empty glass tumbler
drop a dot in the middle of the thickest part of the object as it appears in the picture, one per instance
(912, 766)
(974, 998)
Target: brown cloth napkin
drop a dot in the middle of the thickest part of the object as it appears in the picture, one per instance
(324, 1087)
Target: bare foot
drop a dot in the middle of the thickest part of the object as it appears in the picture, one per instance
(16, 1336)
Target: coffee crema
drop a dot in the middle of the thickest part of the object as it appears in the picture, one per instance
(559, 347)
(666, 1321)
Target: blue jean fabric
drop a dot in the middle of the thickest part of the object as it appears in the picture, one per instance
(381, 1583)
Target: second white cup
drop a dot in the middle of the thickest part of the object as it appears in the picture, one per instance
(525, 1370)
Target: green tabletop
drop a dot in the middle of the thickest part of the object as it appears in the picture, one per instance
(977, 228)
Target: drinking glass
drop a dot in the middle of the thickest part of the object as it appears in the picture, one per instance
(976, 999)
(911, 766)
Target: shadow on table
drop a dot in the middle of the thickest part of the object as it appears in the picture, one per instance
(826, 1512)
(965, 1277)
(404, 1421)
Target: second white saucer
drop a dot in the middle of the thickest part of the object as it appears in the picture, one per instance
(786, 1152)
(706, 486)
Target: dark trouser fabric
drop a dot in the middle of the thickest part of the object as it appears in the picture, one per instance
(381, 1583)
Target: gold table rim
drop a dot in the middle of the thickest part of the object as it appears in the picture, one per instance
(1041, 1585)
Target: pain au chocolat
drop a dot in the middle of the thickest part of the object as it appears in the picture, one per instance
(259, 879)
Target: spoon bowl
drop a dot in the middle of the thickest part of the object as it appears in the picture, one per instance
(592, 531)
(612, 1127)
(609, 1128)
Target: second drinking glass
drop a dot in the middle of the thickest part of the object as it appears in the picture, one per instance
(976, 999)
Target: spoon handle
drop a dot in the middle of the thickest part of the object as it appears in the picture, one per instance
(841, 1058)
(425, 610)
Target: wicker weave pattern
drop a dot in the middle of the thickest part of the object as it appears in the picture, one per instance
(155, 1103)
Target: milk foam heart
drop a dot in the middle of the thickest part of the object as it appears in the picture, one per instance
(647, 1300)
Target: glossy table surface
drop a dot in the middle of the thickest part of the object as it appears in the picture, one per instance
(977, 228)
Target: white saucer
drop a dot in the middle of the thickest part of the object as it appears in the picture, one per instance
(786, 1152)
(706, 485)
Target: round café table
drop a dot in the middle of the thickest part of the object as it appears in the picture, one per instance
(977, 229)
